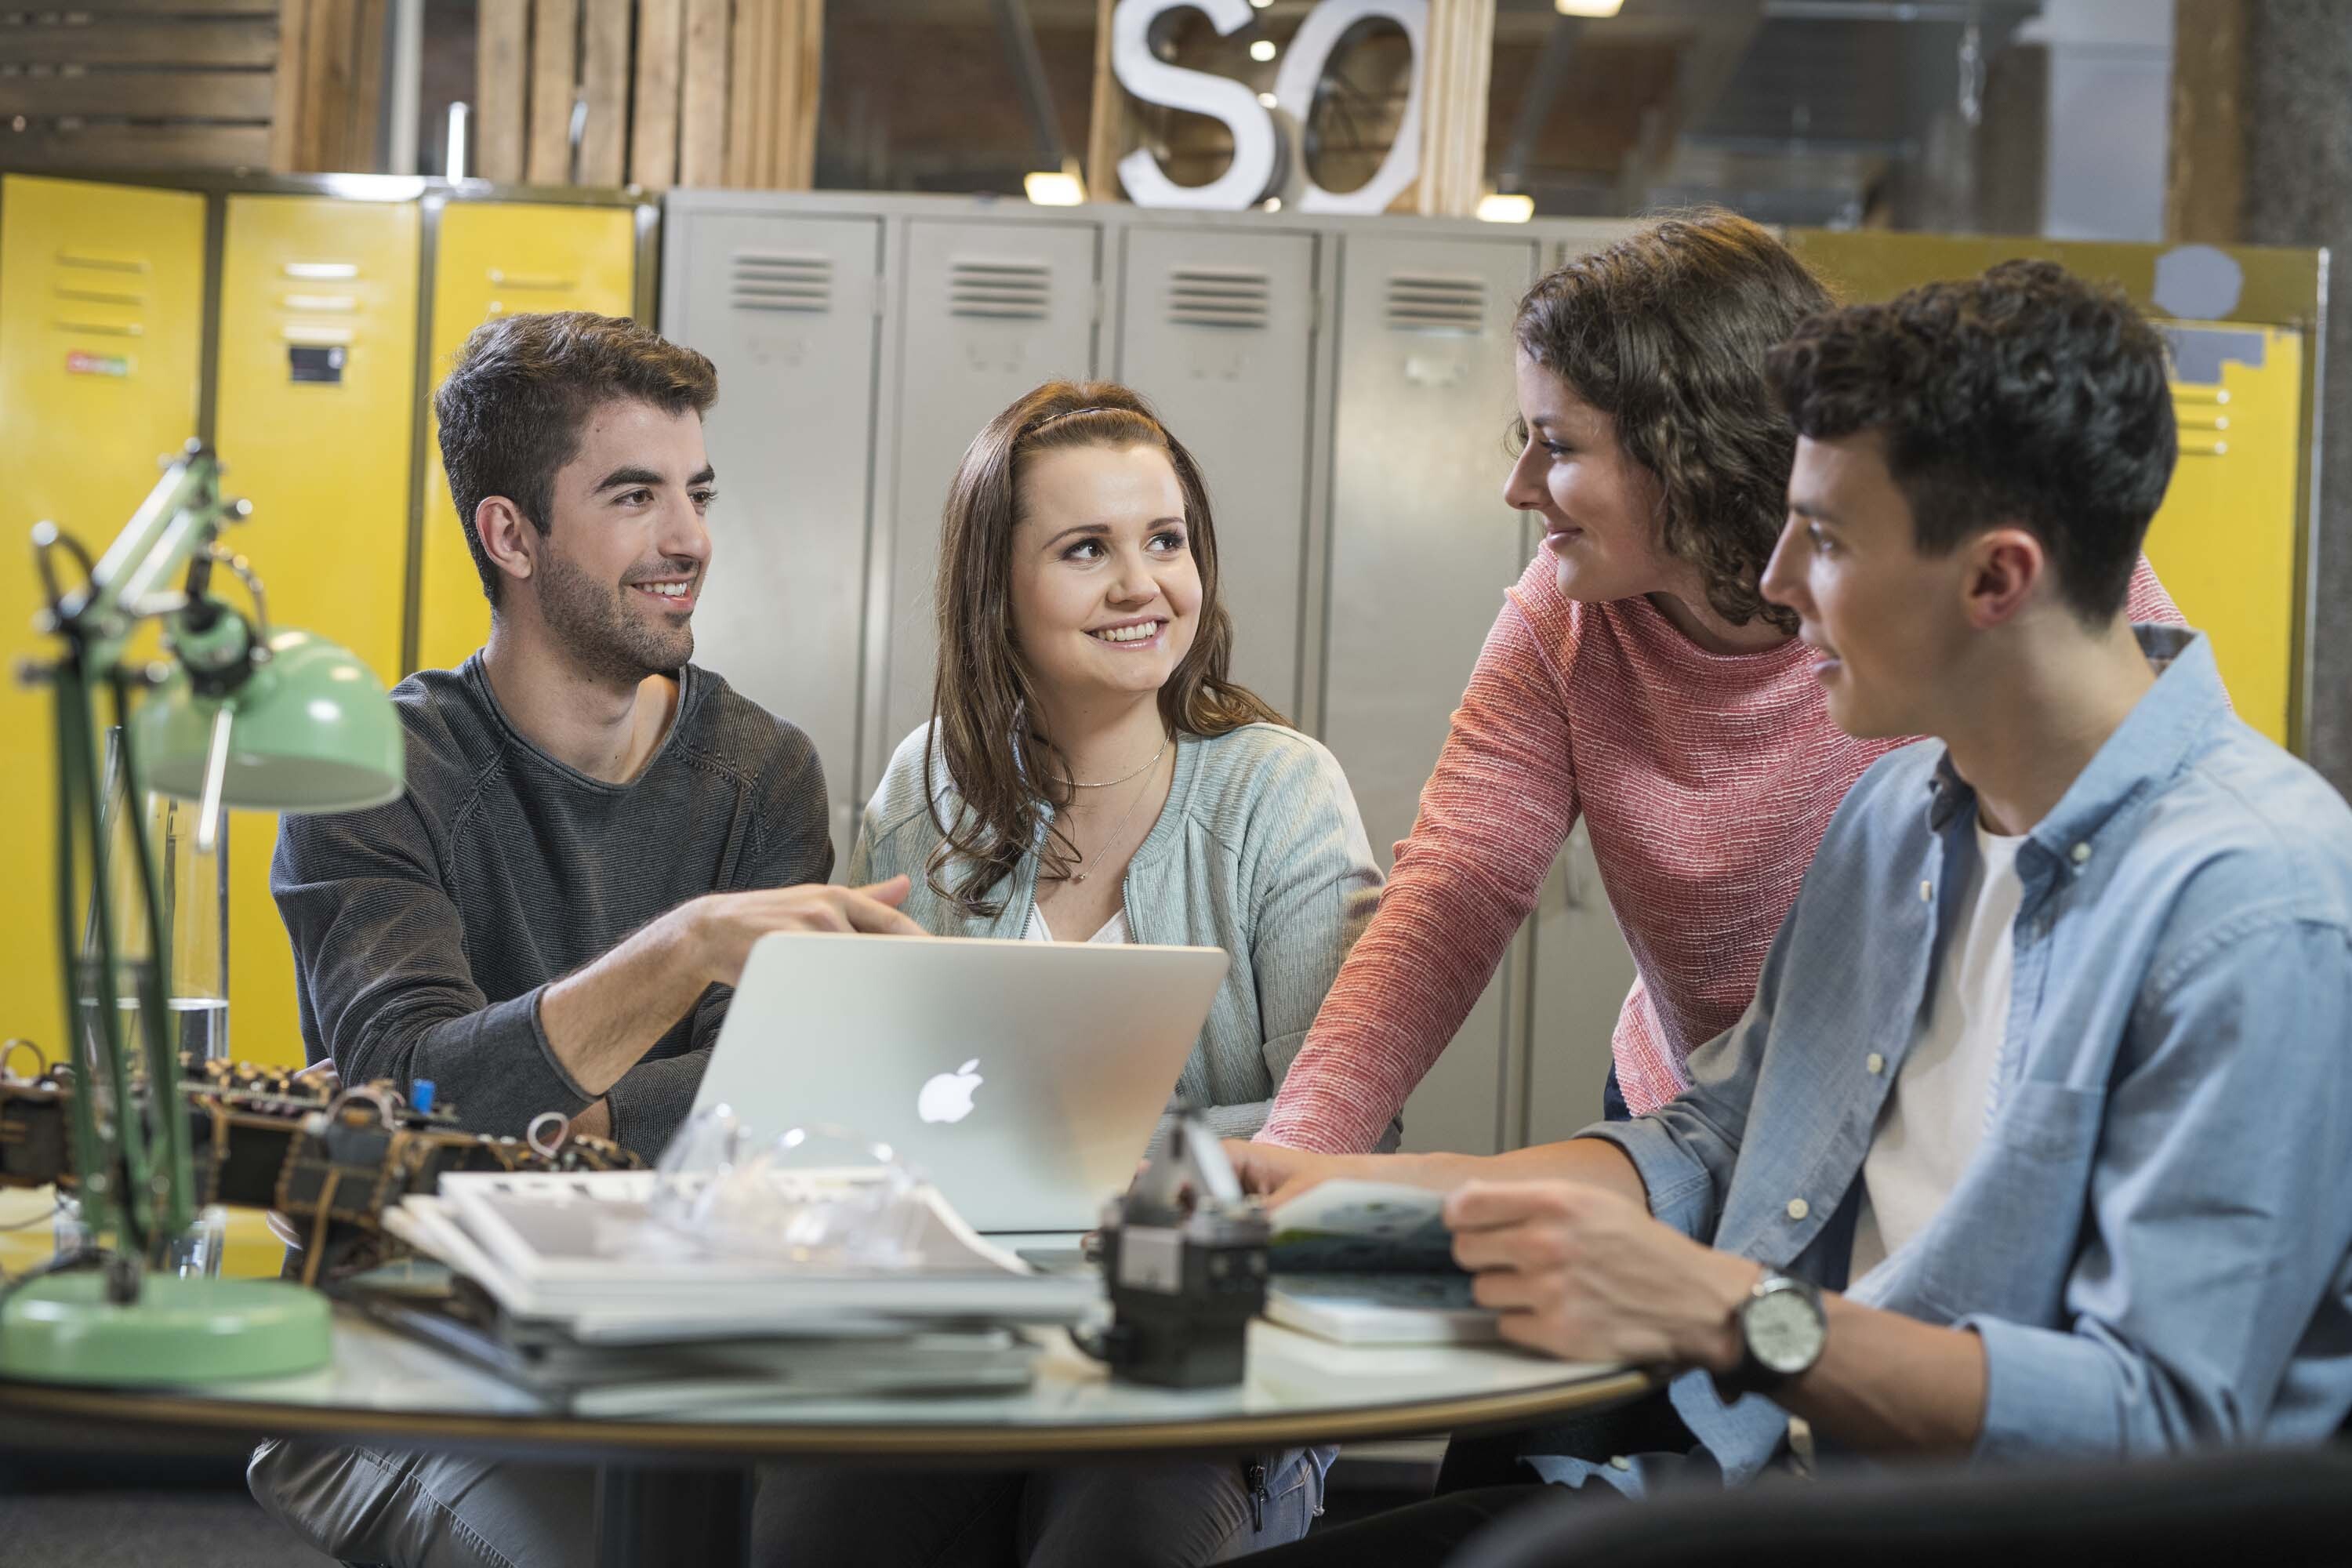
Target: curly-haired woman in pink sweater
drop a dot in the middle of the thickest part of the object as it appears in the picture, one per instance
(1635, 675)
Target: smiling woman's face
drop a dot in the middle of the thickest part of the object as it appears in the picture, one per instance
(1600, 508)
(1105, 593)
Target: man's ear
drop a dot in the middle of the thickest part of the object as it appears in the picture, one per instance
(2005, 566)
(508, 538)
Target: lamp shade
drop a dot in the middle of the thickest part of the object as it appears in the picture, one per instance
(311, 730)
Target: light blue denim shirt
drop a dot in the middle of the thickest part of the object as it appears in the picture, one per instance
(2154, 1240)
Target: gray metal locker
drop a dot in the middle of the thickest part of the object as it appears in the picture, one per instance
(786, 307)
(1217, 327)
(1421, 548)
(1581, 972)
(989, 310)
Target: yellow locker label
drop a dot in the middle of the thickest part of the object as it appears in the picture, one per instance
(316, 399)
(86, 271)
(495, 258)
(2224, 541)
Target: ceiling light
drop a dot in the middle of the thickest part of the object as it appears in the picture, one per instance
(1053, 188)
(1587, 8)
(1494, 208)
(1272, 203)
(1263, 50)
(1269, 99)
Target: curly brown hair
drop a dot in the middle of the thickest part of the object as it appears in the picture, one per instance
(1010, 784)
(1667, 332)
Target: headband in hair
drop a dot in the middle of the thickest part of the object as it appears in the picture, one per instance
(1036, 424)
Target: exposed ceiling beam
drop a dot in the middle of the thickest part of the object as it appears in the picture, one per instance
(1536, 104)
(1726, 29)
(1029, 75)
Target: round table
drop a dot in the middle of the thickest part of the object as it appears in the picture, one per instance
(384, 1386)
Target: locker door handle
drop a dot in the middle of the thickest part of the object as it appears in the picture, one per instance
(100, 263)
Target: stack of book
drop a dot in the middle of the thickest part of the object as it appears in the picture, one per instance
(575, 1288)
(1371, 1263)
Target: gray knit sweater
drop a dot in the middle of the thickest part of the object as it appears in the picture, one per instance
(425, 931)
(1259, 851)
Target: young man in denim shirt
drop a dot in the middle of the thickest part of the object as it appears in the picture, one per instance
(2037, 1139)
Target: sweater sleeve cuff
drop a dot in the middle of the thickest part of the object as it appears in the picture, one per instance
(530, 1001)
(1682, 1192)
(651, 1101)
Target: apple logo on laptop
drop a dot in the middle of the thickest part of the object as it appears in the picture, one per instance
(948, 1096)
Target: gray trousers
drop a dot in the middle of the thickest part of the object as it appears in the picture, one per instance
(426, 1511)
(452, 1510)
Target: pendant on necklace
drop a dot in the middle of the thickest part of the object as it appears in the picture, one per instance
(1079, 878)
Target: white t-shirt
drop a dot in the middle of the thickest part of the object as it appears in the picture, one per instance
(1114, 929)
(1936, 1113)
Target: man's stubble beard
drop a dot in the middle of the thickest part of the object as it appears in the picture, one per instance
(593, 628)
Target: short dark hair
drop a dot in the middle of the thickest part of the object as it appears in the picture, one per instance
(1666, 332)
(2026, 394)
(518, 396)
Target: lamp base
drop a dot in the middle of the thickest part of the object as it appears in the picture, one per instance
(62, 1329)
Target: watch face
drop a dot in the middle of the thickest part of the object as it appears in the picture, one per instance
(1784, 1331)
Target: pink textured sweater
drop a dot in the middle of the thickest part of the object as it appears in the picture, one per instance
(1707, 780)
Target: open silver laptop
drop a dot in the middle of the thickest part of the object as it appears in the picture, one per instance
(1024, 1078)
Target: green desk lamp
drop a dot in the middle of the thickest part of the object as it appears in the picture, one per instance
(237, 716)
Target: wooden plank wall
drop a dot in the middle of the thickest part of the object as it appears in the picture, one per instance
(649, 92)
(143, 83)
(588, 92)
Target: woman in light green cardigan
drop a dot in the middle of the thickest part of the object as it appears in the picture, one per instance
(1090, 774)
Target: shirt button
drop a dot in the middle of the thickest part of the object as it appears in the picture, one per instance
(1620, 1462)
(1799, 1208)
(2081, 853)
(1926, 892)
(1875, 1062)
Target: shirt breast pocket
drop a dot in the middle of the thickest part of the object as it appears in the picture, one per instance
(2007, 1235)
(2048, 1122)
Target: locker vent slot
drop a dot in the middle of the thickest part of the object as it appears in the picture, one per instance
(1003, 290)
(1436, 302)
(781, 280)
(1218, 296)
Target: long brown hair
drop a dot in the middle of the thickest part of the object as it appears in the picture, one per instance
(985, 692)
(1667, 332)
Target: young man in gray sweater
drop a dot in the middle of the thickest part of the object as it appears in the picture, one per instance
(595, 834)
(595, 831)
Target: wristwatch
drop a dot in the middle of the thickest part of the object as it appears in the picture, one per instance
(1783, 1329)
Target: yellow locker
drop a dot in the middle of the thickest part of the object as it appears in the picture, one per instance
(495, 258)
(101, 326)
(316, 419)
(2224, 541)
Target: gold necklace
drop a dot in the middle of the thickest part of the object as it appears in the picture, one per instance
(1087, 864)
(1114, 784)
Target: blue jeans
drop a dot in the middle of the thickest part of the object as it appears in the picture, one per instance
(1613, 1099)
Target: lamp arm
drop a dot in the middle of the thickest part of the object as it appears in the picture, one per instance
(180, 517)
(164, 1149)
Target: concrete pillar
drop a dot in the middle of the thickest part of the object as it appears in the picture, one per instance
(2298, 191)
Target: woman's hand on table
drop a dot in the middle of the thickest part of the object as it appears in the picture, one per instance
(1278, 1174)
